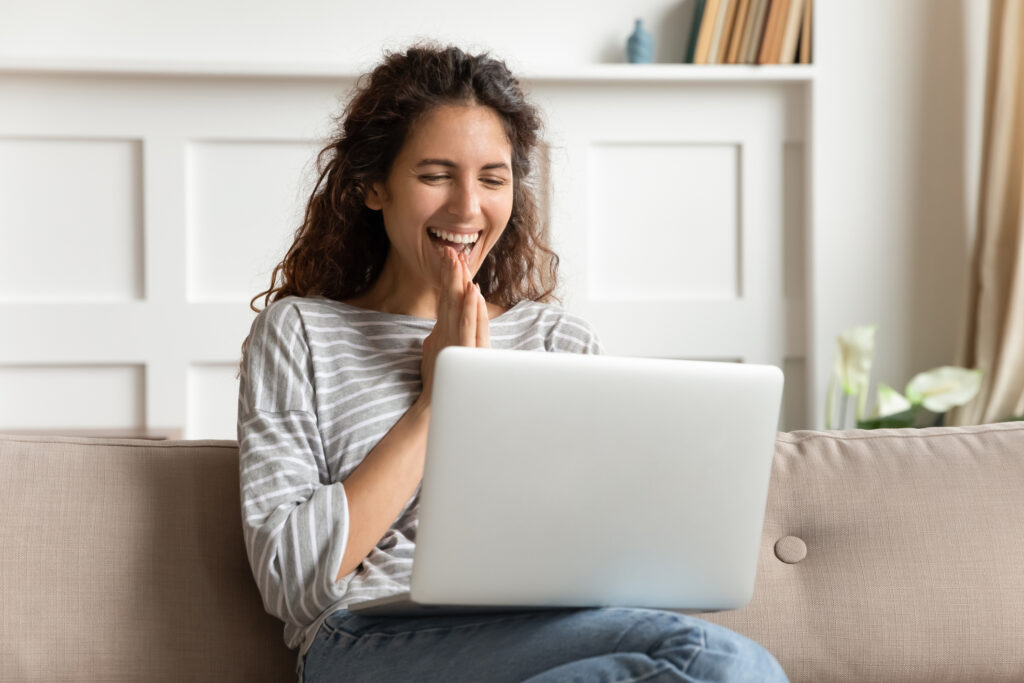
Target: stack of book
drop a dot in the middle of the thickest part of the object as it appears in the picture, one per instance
(751, 32)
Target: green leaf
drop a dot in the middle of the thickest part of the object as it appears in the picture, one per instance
(896, 421)
(942, 388)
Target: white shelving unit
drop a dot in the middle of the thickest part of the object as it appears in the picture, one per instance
(679, 73)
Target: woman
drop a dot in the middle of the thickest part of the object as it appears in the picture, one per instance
(422, 232)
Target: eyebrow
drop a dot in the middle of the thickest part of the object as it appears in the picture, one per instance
(448, 163)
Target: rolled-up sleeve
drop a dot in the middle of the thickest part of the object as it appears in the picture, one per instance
(295, 523)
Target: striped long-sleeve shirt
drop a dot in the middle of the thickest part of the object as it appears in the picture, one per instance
(321, 383)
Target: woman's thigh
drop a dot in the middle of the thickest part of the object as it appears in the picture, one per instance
(593, 645)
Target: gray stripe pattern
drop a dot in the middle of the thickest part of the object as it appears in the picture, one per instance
(321, 383)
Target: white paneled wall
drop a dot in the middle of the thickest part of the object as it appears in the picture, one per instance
(669, 210)
(142, 211)
(897, 108)
(212, 399)
(139, 215)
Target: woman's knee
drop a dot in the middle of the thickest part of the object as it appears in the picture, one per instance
(729, 656)
(702, 651)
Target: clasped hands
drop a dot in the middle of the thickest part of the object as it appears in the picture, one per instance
(462, 318)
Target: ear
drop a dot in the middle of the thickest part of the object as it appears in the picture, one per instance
(374, 199)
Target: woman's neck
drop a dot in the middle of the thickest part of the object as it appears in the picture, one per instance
(387, 295)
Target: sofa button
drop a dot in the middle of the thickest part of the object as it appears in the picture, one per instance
(790, 549)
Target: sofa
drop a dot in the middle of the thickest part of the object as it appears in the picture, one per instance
(890, 555)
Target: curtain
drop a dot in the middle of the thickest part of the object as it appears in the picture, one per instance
(994, 333)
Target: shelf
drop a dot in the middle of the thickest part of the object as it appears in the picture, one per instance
(678, 73)
(582, 73)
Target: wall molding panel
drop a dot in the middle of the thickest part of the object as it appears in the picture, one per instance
(34, 395)
(239, 196)
(641, 245)
(69, 204)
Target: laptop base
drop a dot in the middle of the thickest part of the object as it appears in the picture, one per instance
(402, 605)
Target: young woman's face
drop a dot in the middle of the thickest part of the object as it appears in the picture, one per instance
(451, 185)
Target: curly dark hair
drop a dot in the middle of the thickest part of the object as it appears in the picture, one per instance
(340, 248)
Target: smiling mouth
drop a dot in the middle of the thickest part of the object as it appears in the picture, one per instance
(461, 243)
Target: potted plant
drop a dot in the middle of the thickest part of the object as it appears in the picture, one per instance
(925, 401)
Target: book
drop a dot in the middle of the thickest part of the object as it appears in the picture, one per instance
(742, 14)
(772, 40)
(748, 26)
(691, 44)
(727, 30)
(707, 27)
(716, 36)
(805, 33)
(794, 21)
(773, 31)
(752, 42)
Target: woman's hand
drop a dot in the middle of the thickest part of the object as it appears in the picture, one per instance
(462, 318)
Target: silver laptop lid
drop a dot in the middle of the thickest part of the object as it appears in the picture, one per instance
(563, 479)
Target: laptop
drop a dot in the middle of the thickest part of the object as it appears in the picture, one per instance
(557, 480)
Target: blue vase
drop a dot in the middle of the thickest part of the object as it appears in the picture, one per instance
(640, 46)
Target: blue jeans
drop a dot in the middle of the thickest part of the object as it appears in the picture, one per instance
(592, 645)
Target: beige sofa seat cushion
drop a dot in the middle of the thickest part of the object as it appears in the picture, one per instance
(124, 561)
(914, 564)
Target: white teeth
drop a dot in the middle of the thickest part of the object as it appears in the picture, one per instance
(452, 237)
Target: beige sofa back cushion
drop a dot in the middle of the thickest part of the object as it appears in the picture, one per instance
(123, 561)
(914, 566)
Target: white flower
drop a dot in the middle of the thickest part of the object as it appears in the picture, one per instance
(853, 362)
(890, 401)
(942, 388)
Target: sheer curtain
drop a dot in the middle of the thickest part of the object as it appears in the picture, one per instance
(994, 333)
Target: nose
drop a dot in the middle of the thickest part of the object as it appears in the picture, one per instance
(464, 200)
